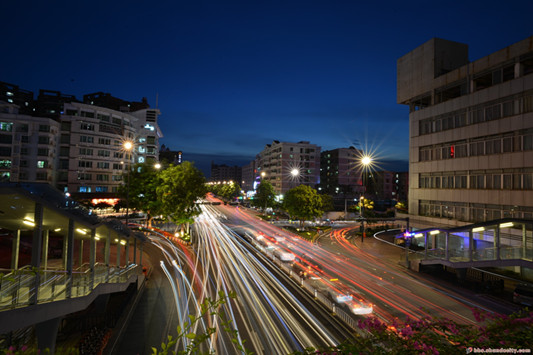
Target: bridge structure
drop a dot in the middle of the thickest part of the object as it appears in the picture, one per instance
(496, 243)
(56, 258)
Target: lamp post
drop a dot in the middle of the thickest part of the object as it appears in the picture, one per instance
(365, 163)
(128, 147)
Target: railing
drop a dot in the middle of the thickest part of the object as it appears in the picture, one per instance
(17, 288)
(485, 254)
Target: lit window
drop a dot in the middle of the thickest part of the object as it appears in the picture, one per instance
(41, 164)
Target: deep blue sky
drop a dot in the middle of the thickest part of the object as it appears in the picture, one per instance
(232, 76)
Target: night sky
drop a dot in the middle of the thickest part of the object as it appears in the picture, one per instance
(232, 76)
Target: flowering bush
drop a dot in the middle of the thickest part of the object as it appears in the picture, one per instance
(439, 335)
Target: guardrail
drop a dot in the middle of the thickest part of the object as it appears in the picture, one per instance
(18, 287)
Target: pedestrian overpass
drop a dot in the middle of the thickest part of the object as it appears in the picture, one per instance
(56, 258)
(497, 243)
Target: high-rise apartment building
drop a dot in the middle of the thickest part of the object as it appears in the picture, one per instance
(77, 147)
(340, 172)
(286, 165)
(471, 132)
(28, 146)
(92, 157)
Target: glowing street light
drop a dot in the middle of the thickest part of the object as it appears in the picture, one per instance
(366, 160)
(295, 172)
(128, 147)
(157, 166)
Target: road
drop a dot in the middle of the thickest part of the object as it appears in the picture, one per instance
(395, 292)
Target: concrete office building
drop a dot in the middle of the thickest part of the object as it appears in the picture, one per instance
(471, 132)
(287, 165)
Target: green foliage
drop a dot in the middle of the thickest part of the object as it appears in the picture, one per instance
(142, 184)
(327, 203)
(229, 191)
(180, 186)
(303, 203)
(401, 206)
(265, 196)
(194, 341)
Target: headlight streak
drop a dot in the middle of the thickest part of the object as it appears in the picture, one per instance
(240, 271)
(274, 340)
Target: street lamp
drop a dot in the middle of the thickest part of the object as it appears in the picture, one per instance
(128, 147)
(366, 161)
(157, 166)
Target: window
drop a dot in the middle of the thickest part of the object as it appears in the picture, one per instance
(86, 139)
(63, 164)
(41, 164)
(44, 140)
(72, 112)
(64, 151)
(100, 188)
(507, 181)
(87, 126)
(102, 165)
(508, 144)
(105, 141)
(6, 139)
(117, 166)
(85, 164)
(44, 128)
(5, 163)
(84, 189)
(87, 114)
(6, 126)
(5, 151)
(42, 175)
(102, 177)
(103, 153)
(86, 151)
(42, 152)
(84, 176)
(104, 118)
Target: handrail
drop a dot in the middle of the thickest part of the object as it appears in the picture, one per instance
(19, 290)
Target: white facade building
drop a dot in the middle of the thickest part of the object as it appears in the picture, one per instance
(92, 157)
(287, 165)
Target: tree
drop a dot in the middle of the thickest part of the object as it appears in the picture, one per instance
(401, 207)
(142, 183)
(327, 203)
(265, 196)
(230, 190)
(366, 206)
(179, 188)
(304, 203)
